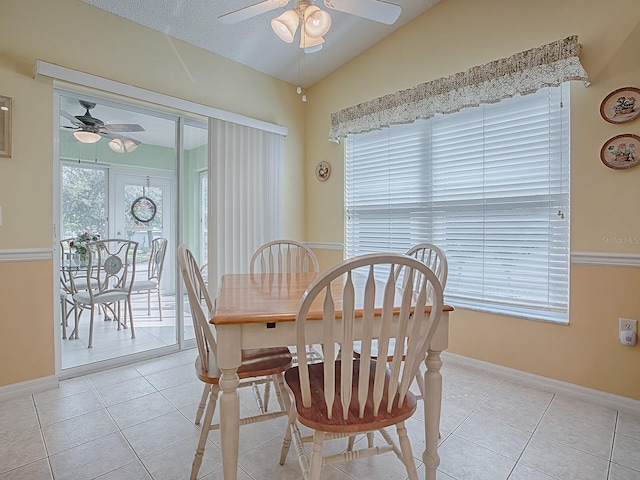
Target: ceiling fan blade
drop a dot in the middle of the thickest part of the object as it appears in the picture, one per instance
(123, 127)
(251, 11)
(112, 136)
(71, 118)
(375, 10)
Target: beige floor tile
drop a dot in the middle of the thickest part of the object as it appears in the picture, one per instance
(516, 405)
(562, 461)
(132, 471)
(124, 391)
(66, 388)
(90, 460)
(628, 425)
(171, 377)
(70, 433)
(19, 449)
(626, 451)
(522, 472)
(113, 376)
(158, 433)
(618, 472)
(494, 435)
(38, 470)
(141, 409)
(68, 407)
(18, 415)
(175, 462)
(462, 459)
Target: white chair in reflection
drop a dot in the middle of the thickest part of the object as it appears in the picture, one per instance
(345, 396)
(154, 274)
(112, 265)
(263, 365)
(284, 256)
(72, 279)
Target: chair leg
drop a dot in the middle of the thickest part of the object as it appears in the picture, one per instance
(90, 327)
(128, 303)
(159, 304)
(64, 318)
(208, 417)
(370, 439)
(203, 402)
(407, 454)
(315, 463)
(267, 394)
(148, 303)
(352, 440)
(286, 442)
(74, 334)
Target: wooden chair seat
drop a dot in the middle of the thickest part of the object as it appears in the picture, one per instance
(255, 363)
(316, 416)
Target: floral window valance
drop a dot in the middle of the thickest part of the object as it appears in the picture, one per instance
(522, 73)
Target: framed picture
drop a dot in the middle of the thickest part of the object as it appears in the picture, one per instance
(5, 126)
(621, 105)
(621, 152)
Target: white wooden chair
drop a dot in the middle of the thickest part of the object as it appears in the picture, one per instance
(432, 256)
(154, 274)
(263, 365)
(112, 267)
(285, 256)
(347, 396)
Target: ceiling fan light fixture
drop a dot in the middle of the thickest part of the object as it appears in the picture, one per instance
(286, 25)
(310, 44)
(122, 146)
(86, 137)
(317, 22)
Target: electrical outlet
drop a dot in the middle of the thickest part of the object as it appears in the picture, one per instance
(628, 324)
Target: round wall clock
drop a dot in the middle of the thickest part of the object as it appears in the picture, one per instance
(323, 171)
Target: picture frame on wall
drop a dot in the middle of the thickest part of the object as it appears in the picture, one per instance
(621, 152)
(5, 126)
(621, 105)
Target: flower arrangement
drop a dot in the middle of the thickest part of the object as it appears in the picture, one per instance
(79, 245)
(623, 152)
(624, 105)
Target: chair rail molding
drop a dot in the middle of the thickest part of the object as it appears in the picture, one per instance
(325, 245)
(25, 255)
(606, 259)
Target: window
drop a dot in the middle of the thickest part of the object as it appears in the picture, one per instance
(489, 185)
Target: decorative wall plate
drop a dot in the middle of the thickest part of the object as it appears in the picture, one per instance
(621, 152)
(323, 171)
(621, 105)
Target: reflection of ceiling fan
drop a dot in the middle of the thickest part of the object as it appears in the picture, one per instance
(89, 129)
(315, 22)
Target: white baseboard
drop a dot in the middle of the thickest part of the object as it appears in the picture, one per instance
(29, 387)
(608, 400)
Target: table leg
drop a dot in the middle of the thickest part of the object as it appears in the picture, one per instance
(229, 423)
(432, 406)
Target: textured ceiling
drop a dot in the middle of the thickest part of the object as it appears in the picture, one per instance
(252, 42)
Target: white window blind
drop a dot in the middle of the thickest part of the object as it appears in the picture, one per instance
(489, 185)
(246, 199)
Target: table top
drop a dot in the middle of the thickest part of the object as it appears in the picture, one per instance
(265, 298)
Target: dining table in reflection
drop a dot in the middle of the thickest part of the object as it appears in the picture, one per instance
(259, 311)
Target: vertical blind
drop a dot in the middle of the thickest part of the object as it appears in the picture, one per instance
(246, 208)
(489, 185)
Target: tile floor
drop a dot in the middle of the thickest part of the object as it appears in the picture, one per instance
(136, 422)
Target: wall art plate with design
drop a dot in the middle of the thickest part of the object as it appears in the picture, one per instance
(621, 152)
(621, 105)
(323, 170)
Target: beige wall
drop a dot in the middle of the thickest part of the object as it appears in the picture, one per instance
(456, 35)
(75, 35)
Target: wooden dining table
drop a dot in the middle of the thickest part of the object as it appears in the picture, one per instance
(258, 311)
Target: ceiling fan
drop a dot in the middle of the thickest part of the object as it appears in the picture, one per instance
(315, 22)
(89, 129)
